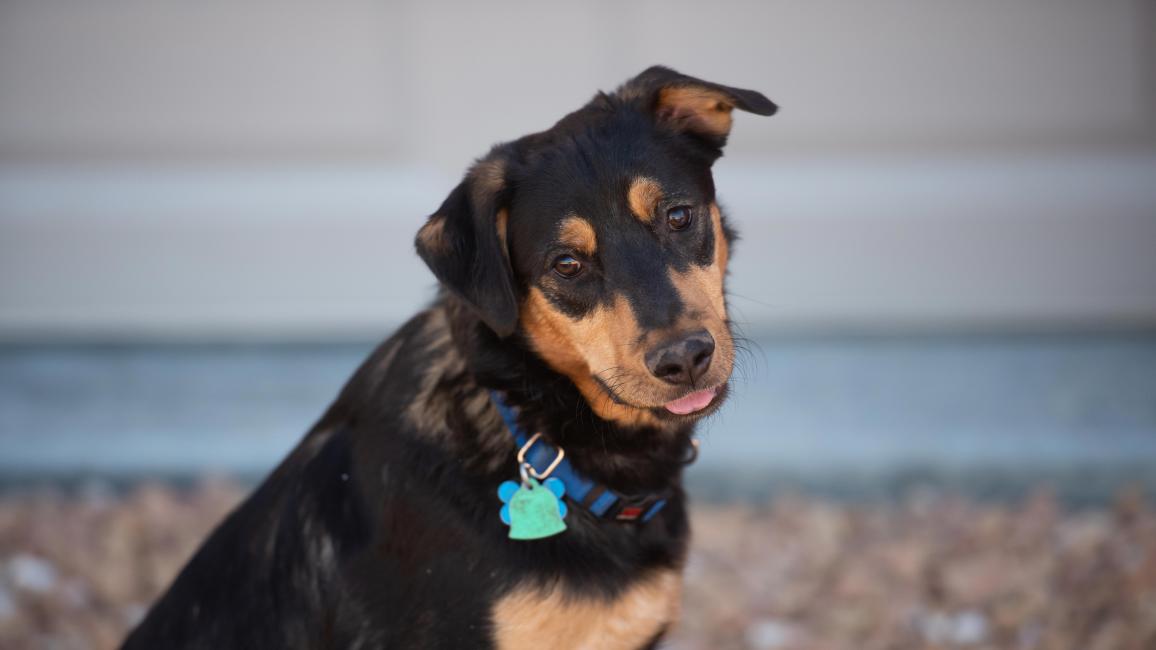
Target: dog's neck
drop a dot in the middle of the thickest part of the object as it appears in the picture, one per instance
(630, 460)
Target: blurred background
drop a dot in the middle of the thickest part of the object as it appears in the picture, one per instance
(947, 267)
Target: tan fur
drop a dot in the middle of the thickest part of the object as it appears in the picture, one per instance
(581, 348)
(489, 177)
(722, 249)
(577, 233)
(643, 197)
(503, 221)
(432, 236)
(550, 618)
(701, 290)
(699, 109)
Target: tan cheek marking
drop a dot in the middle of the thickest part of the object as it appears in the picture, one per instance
(578, 234)
(604, 334)
(643, 196)
(600, 342)
(540, 618)
(548, 331)
(701, 290)
(701, 109)
(702, 294)
(721, 247)
(703, 286)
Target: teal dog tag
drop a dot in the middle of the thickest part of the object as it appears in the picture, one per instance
(533, 510)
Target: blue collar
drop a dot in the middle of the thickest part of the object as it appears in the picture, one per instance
(598, 499)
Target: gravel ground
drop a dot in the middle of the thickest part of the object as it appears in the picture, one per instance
(932, 571)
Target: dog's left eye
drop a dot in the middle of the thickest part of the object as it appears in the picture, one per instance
(567, 266)
(679, 218)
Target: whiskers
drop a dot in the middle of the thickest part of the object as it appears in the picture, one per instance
(616, 380)
(745, 353)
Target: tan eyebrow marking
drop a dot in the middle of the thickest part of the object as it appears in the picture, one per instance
(643, 196)
(577, 233)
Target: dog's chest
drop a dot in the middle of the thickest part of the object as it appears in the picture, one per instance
(533, 618)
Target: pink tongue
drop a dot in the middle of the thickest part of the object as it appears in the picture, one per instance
(694, 402)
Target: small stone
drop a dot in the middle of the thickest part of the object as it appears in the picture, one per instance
(768, 634)
(970, 628)
(965, 628)
(132, 614)
(7, 604)
(32, 573)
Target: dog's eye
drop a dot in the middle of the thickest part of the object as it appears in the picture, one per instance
(567, 266)
(678, 218)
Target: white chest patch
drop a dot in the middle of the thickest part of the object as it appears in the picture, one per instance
(551, 618)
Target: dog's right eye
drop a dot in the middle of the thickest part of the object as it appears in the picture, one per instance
(678, 217)
(567, 266)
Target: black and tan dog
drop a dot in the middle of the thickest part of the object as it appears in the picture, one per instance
(582, 273)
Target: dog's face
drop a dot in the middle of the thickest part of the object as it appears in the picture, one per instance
(600, 242)
(621, 266)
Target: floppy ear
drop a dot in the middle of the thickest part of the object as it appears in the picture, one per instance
(463, 243)
(689, 105)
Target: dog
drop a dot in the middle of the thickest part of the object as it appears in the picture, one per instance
(505, 470)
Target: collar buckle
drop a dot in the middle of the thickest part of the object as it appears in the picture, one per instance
(529, 467)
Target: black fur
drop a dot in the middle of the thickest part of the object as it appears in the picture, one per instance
(381, 529)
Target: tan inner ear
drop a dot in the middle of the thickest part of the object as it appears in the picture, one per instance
(432, 235)
(697, 109)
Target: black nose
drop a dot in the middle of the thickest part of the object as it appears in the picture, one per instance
(682, 361)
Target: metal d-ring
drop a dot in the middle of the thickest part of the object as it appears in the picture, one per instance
(530, 468)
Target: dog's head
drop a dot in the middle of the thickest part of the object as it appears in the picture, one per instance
(600, 244)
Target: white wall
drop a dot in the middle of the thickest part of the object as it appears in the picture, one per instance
(255, 168)
(439, 81)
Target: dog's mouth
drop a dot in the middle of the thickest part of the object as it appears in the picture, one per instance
(691, 406)
(695, 405)
(692, 403)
